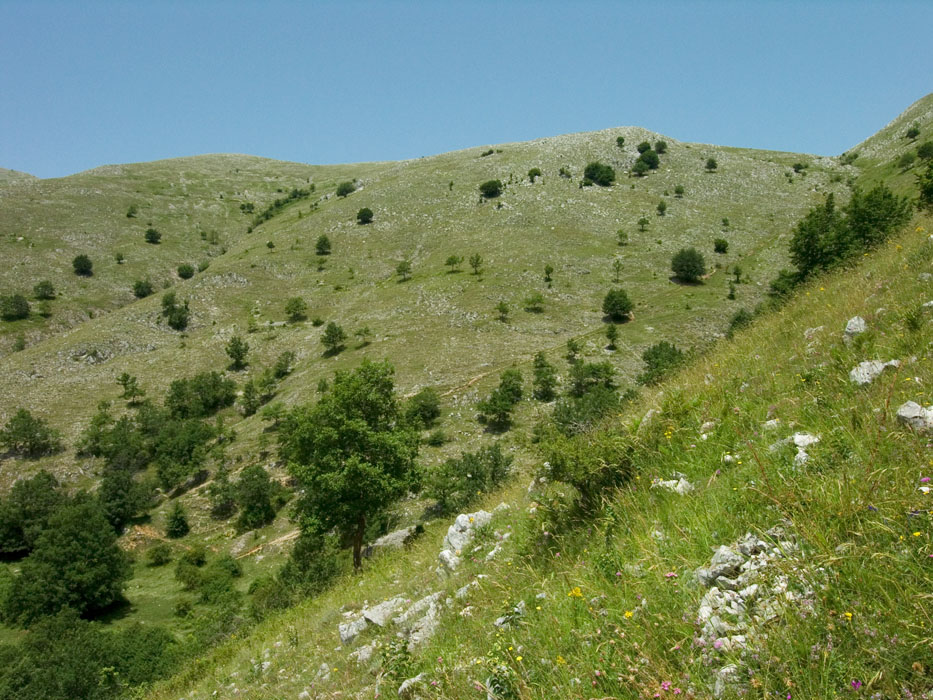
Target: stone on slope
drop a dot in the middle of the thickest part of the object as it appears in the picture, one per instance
(679, 486)
(866, 372)
(916, 416)
(855, 326)
(407, 689)
(459, 535)
(350, 630)
(380, 614)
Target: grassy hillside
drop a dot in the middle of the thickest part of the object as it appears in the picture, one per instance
(440, 328)
(611, 606)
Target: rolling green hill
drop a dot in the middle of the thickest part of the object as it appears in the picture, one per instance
(441, 329)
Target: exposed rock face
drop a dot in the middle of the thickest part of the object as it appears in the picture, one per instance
(855, 326)
(916, 416)
(351, 629)
(380, 614)
(866, 372)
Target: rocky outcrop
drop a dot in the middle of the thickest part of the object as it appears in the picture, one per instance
(459, 535)
(866, 372)
(916, 416)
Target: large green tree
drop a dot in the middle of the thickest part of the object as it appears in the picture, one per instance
(76, 564)
(351, 454)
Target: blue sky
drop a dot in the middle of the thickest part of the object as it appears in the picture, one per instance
(88, 83)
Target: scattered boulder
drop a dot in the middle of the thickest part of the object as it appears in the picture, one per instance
(916, 416)
(459, 535)
(855, 326)
(381, 614)
(363, 654)
(866, 372)
(679, 485)
(393, 540)
(351, 629)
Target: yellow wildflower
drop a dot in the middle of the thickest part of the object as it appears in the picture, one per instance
(575, 592)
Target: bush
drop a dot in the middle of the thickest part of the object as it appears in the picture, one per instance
(176, 315)
(83, 266)
(679, 191)
(345, 188)
(711, 165)
(496, 409)
(44, 290)
(454, 262)
(296, 309)
(925, 151)
(534, 302)
(185, 271)
(159, 554)
(620, 141)
(617, 305)
(403, 270)
(650, 158)
(925, 185)
(640, 168)
(662, 208)
(578, 414)
(544, 383)
(588, 376)
(457, 482)
(643, 147)
(29, 436)
(906, 160)
(333, 339)
(254, 494)
(660, 147)
(659, 359)
(364, 215)
(534, 173)
(741, 319)
(237, 349)
(153, 236)
(424, 408)
(14, 307)
(913, 131)
(688, 265)
(491, 189)
(720, 245)
(201, 395)
(322, 247)
(602, 175)
(176, 523)
(142, 288)
(591, 463)
(476, 262)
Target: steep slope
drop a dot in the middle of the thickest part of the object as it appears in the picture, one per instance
(773, 438)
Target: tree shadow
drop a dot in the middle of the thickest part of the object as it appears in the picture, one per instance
(685, 283)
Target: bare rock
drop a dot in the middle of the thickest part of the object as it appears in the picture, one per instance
(381, 614)
(351, 629)
(866, 372)
(916, 416)
(409, 685)
(855, 326)
(679, 486)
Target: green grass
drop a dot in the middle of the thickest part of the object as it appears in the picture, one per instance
(850, 507)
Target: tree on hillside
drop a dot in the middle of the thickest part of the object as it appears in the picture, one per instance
(650, 158)
(925, 185)
(142, 289)
(29, 436)
(617, 305)
(45, 290)
(660, 147)
(322, 247)
(711, 165)
(350, 453)
(83, 266)
(688, 265)
(643, 224)
(14, 307)
(333, 339)
(496, 409)
(620, 141)
(296, 309)
(534, 173)
(345, 188)
(25, 512)
(544, 381)
(491, 189)
(643, 146)
(254, 494)
(913, 131)
(403, 270)
(364, 215)
(153, 236)
(175, 314)
(454, 262)
(131, 389)
(659, 359)
(925, 151)
(237, 350)
(176, 522)
(476, 262)
(76, 564)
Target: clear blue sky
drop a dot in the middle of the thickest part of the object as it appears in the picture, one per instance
(85, 83)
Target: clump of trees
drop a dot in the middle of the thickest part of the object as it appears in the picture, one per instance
(496, 409)
(458, 482)
(345, 188)
(175, 314)
(659, 359)
(28, 436)
(14, 307)
(599, 174)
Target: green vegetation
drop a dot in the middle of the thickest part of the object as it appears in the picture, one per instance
(364, 216)
(333, 339)
(26, 435)
(491, 189)
(688, 265)
(599, 173)
(14, 307)
(659, 359)
(237, 349)
(82, 266)
(153, 236)
(345, 188)
(617, 305)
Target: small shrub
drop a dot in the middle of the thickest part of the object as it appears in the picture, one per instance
(534, 302)
(720, 245)
(659, 359)
(44, 290)
(159, 555)
(534, 173)
(913, 131)
(83, 266)
(296, 309)
(333, 339)
(153, 236)
(132, 211)
(457, 482)
(491, 189)
(436, 438)
(476, 262)
(322, 246)
(14, 307)
(544, 381)
(620, 141)
(176, 523)
(142, 288)
(503, 310)
(925, 151)
(345, 188)
(185, 271)
(660, 147)
(679, 191)
(711, 165)
(403, 270)
(741, 319)
(26, 435)
(364, 216)
(662, 208)
(176, 314)
(424, 408)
